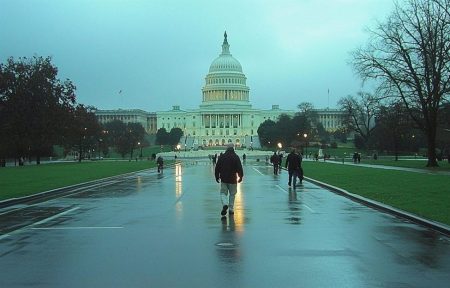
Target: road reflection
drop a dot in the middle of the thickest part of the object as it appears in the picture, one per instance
(294, 206)
(228, 246)
(178, 189)
(232, 228)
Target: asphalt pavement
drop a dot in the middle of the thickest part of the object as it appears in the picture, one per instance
(165, 230)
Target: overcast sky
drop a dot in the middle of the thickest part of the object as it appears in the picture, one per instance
(158, 52)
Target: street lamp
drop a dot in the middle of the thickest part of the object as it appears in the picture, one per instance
(139, 145)
(306, 144)
(279, 145)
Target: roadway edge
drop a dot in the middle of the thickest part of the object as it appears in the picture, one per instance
(59, 192)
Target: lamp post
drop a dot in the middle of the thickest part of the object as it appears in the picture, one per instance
(280, 145)
(139, 145)
(306, 144)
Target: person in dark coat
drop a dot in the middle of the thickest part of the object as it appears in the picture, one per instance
(228, 173)
(294, 166)
(160, 163)
(275, 160)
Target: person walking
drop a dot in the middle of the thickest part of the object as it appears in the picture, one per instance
(280, 162)
(275, 160)
(228, 173)
(160, 163)
(294, 166)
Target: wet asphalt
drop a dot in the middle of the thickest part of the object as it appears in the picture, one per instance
(165, 230)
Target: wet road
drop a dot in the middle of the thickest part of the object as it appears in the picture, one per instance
(150, 230)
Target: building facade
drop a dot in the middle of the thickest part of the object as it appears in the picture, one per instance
(225, 114)
(146, 119)
(331, 119)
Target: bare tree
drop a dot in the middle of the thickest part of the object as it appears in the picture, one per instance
(359, 114)
(307, 109)
(408, 55)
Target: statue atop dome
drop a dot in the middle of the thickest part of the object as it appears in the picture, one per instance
(225, 45)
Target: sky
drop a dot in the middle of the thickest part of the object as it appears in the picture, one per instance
(153, 54)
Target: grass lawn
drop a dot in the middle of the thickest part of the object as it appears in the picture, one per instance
(422, 194)
(27, 180)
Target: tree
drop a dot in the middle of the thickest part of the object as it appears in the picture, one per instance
(443, 131)
(286, 130)
(266, 133)
(124, 137)
(408, 56)
(175, 135)
(393, 129)
(162, 136)
(307, 109)
(136, 134)
(34, 106)
(83, 131)
(117, 136)
(359, 114)
(340, 134)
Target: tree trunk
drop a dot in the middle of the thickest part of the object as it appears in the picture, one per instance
(431, 134)
(38, 158)
(80, 151)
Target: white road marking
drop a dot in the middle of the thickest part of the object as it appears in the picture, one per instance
(257, 171)
(309, 208)
(54, 216)
(39, 222)
(4, 236)
(75, 228)
(74, 191)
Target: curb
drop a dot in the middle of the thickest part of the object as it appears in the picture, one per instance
(440, 227)
(58, 192)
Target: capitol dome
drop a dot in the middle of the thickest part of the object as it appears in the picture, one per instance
(225, 62)
(225, 83)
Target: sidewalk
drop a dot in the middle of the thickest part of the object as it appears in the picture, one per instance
(416, 170)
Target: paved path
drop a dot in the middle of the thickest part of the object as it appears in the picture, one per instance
(150, 230)
(416, 170)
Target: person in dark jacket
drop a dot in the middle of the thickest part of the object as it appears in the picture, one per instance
(275, 160)
(160, 163)
(294, 166)
(228, 173)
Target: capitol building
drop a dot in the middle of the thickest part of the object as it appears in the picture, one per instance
(225, 114)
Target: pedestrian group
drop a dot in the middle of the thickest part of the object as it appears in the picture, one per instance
(228, 172)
